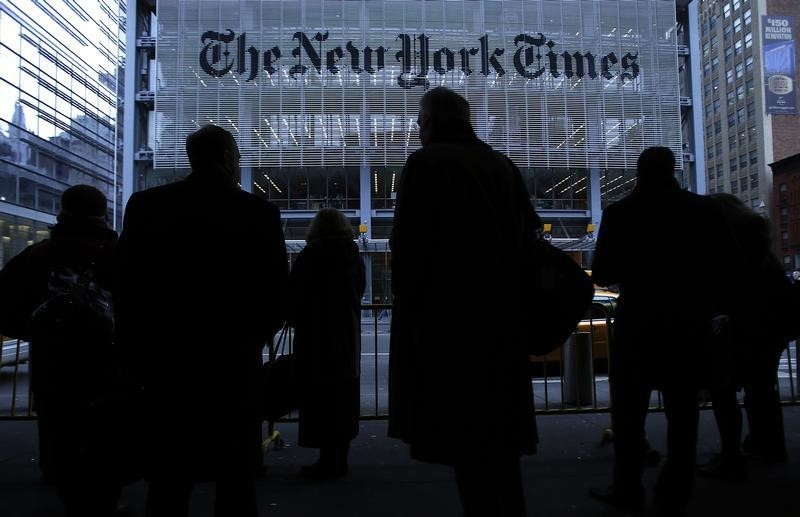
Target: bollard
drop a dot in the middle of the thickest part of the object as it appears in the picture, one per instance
(578, 370)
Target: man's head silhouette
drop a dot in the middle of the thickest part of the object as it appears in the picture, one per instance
(213, 150)
(442, 111)
(83, 204)
(656, 165)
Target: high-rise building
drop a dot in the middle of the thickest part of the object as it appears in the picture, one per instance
(749, 101)
(60, 90)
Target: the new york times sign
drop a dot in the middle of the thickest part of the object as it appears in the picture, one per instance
(534, 56)
(570, 84)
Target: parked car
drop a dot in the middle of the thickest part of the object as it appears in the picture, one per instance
(15, 351)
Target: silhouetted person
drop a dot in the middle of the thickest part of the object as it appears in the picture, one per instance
(325, 289)
(659, 236)
(752, 344)
(458, 371)
(202, 269)
(73, 366)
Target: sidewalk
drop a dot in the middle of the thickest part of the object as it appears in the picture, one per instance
(385, 482)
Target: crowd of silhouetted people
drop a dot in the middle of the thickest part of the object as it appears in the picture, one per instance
(170, 321)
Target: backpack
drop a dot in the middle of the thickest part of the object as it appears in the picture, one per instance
(557, 295)
(79, 312)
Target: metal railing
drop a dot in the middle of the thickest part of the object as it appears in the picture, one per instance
(573, 379)
(16, 402)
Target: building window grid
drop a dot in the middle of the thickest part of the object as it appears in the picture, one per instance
(283, 147)
(62, 118)
(32, 77)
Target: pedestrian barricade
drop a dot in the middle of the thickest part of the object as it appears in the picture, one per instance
(572, 379)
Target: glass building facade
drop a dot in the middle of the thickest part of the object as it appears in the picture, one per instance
(331, 85)
(322, 97)
(61, 66)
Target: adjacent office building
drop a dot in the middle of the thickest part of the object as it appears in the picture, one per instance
(749, 100)
(60, 91)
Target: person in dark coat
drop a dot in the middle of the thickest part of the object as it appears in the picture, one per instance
(660, 236)
(750, 349)
(202, 275)
(326, 285)
(80, 241)
(458, 369)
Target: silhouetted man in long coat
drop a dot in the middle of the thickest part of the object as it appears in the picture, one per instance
(666, 248)
(202, 270)
(458, 368)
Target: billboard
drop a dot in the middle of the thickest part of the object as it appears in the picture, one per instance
(559, 84)
(780, 66)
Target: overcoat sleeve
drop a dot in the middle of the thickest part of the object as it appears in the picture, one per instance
(410, 237)
(18, 296)
(276, 263)
(126, 278)
(297, 290)
(606, 265)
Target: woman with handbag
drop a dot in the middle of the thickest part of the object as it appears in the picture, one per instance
(325, 286)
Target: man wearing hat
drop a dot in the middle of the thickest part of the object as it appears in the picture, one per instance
(81, 245)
